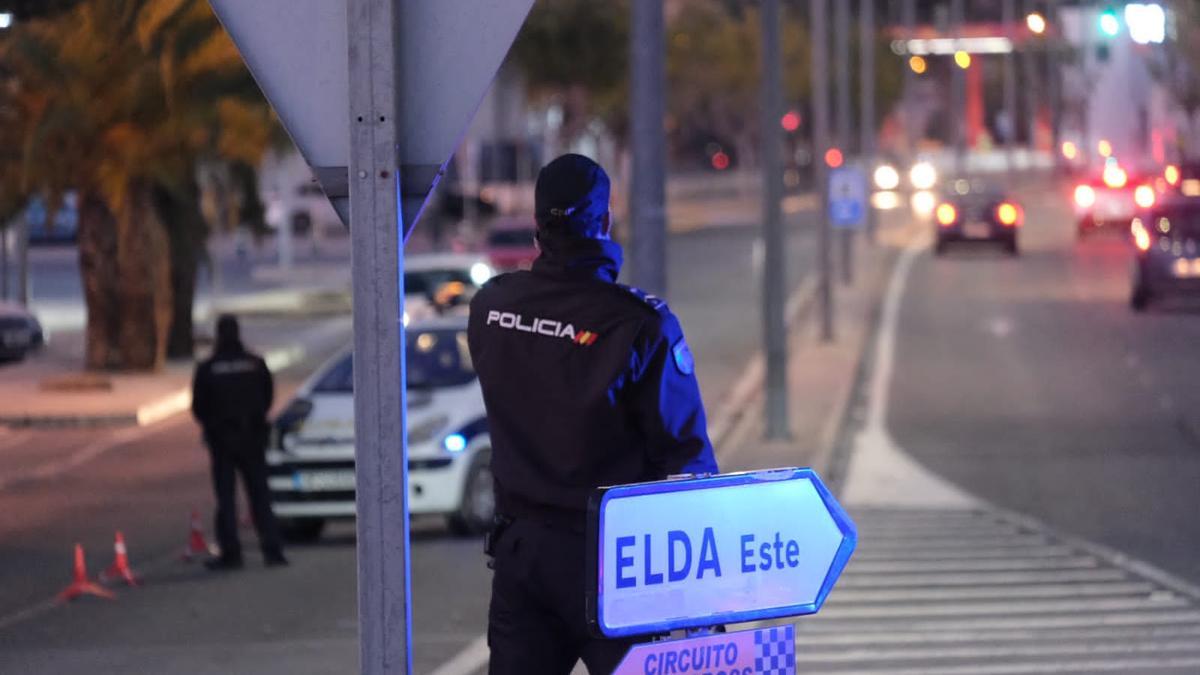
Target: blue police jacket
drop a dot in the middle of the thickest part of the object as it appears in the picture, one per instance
(587, 382)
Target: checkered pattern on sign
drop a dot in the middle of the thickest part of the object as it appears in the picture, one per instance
(775, 650)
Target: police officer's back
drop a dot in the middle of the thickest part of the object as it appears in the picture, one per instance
(586, 383)
(231, 396)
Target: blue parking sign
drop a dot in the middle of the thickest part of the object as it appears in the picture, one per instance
(847, 198)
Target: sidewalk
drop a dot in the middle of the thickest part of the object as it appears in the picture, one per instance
(821, 375)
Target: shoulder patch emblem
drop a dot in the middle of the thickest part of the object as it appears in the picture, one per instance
(683, 357)
(654, 301)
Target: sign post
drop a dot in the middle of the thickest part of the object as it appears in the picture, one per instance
(698, 553)
(376, 94)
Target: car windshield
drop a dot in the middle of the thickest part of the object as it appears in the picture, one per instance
(427, 282)
(511, 238)
(436, 359)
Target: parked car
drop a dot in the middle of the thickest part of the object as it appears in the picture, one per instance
(311, 460)
(20, 332)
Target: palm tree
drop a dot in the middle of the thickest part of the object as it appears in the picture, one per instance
(120, 100)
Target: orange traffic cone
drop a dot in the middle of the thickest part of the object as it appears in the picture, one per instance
(120, 567)
(82, 585)
(196, 547)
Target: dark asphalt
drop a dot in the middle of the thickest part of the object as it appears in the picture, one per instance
(1032, 384)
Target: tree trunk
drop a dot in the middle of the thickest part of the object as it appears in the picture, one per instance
(98, 272)
(143, 283)
(185, 228)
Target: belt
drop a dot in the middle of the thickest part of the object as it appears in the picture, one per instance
(554, 517)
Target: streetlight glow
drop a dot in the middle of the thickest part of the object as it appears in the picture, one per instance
(963, 59)
(6, 20)
(917, 63)
(1036, 23)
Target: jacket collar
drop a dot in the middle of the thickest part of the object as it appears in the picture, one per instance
(579, 258)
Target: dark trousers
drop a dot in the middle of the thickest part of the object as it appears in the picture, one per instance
(537, 623)
(229, 459)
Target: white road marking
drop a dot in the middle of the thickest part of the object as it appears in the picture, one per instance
(473, 657)
(1080, 666)
(942, 594)
(945, 583)
(880, 473)
(1003, 652)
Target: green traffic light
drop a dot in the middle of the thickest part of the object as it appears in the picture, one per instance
(1109, 24)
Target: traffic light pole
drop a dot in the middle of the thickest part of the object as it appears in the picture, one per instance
(1009, 21)
(377, 264)
(647, 203)
(773, 279)
(819, 77)
(959, 93)
(866, 142)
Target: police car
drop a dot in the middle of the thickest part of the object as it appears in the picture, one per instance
(311, 460)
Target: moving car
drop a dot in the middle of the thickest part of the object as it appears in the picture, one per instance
(1166, 241)
(974, 213)
(510, 244)
(20, 332)
(1110, 199)
(311, 461)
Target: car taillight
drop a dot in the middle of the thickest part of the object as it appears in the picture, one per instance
(946, 214)
(1085, 196)
(1143, 196)
(1008, 214)
(1141, 237)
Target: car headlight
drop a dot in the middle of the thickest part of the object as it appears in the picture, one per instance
(427, 429)
(923, 176)
(480, 273)
(886, 177)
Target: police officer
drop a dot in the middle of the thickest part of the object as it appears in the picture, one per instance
(231, 395)
(586, 383)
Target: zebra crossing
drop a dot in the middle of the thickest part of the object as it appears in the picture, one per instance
(969, 591)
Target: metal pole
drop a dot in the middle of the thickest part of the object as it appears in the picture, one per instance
(773, 279)
(866, 143)
(1029, 85)
(842, 115)
(1053, 82)
(1011, 29)
(909, 17)
(647, 203)
(23, 260)
(819, 76)
(958, 95)
(4, 263)
(377, 263)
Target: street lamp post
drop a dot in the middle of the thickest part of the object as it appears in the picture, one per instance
(819, 76)
(773, 279)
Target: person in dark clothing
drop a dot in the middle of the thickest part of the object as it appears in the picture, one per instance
(587, 383)
(231, 395)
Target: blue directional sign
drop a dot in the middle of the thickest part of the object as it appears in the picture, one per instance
(847, 197)
(708, 551)
(764, 650)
